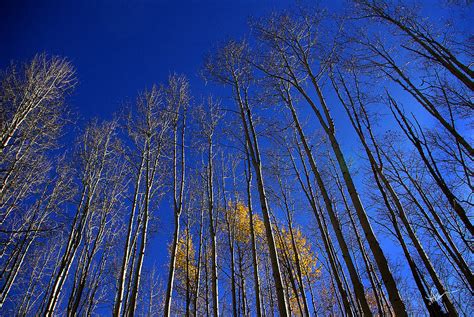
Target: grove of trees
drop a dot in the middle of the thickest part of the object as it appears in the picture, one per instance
(332, 177)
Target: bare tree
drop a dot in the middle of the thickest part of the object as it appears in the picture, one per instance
(95, 152)
(32, 118)
(230, 67)
(35, 225)
(178, 99)
(208, 120)
(100, 235)
(148, 127)
(248, 177)
(291, 57)
(77, 221)
(425, 44)
(354, 104)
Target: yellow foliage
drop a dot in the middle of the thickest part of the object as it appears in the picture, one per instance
(307, 258)
(239, 214)
(293, 302)
(185, 261)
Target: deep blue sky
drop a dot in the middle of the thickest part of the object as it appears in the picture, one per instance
(120, 47)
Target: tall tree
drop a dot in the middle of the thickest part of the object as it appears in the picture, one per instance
(148, 127)
(178, 100)
(33, 114)
(291, 57)
(230, 67)
(95, 151)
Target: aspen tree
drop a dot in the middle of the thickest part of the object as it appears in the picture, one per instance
(33, 114)
(95, 152)
(229, 67)
(148, 127)
(291, 56)
(178, 99)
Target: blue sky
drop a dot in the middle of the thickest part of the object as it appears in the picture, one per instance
(121, 47)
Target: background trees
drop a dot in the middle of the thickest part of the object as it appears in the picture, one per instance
(357, 147)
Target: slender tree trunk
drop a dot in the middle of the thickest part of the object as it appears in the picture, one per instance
(323, 231)
(242, 281)
(17, 257)
(206, 274)
(311, 292)
(256, 278)
(378, 173)
(450, 246)
(177, 208)
(251, 139)
(271, 299)
(144, 232)
(295, 251)
(188, 291)
(141, 255)
(433, 309)
(290, 280)
(128, 241)
(174, 248)
(212, 231)
(381, 260)
(327, 124)
(430, 164)
(368, 266)
(357, 284)
(200, 253)
(133, 257)
(233, 282)
(69, 254)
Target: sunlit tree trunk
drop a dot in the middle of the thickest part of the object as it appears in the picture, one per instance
(243, 290)
(119, 295)
(100, 229)
(96, 153)
(149, 125)
(212, 228)
(296, 259)
(178, 190)
(144, 233)
(231, 243)
(206, 279)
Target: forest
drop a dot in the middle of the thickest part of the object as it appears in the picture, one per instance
(327, 171)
